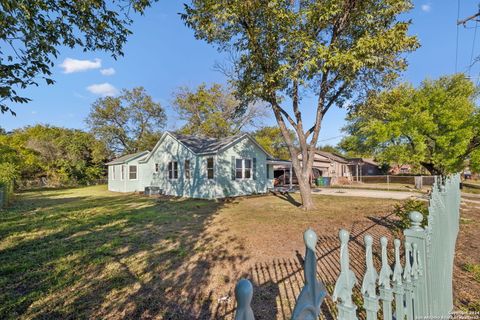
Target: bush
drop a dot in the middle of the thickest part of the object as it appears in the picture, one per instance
(403, 210)
(8, 174)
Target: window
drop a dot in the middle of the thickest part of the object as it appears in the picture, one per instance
(123, 173)
(248, 169)
(157, 167)
(187, 169)
(210, 168)
(239, 168)
(173, 170)
(113, 172)
(243, 168)
(132, 172)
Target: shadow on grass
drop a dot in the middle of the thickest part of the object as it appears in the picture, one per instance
(94, 256)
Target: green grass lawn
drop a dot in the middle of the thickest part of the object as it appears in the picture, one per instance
(66, 253)
(87, 253)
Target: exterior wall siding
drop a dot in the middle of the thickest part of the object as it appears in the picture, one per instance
(198, 185)
(117, 184)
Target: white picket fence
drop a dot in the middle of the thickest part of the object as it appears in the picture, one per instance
(417, 286)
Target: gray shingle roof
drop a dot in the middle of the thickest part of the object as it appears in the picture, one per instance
(200, 144)
(126, 157)
(332, 156)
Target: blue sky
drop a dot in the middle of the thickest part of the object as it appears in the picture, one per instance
(162, 55)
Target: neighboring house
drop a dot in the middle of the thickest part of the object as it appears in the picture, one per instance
(197, 167)
(400, 169)
(364, 167)
(327, 164)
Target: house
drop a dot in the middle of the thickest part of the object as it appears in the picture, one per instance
(364, 167)
(197, 167)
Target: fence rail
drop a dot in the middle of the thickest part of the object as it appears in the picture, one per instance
(418, 284)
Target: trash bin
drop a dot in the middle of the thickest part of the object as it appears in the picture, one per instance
(318, 181)
(326, 181)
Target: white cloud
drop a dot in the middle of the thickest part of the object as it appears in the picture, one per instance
(103, 89)
(70, 65)
(107, 71)
(426, 7)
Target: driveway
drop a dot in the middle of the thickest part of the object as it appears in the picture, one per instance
(383, 194)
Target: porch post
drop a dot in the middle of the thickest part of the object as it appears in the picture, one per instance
(291, 177)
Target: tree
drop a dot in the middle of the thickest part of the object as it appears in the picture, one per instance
(62, 156)
(330, 148)
(284, 51)
(271, 139)
(436, 125)
(32, 32)
(213, 111)
(128, 123)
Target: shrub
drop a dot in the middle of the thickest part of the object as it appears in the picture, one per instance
(403, 209)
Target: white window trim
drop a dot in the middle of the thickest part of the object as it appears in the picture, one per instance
(173, 171)
(243, 169)
(190, 169)
(133, 165)
(122, 172)
(113, 172)
(214, 169)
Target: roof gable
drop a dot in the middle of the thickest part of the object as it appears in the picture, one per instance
(128, 157)
(201, 145)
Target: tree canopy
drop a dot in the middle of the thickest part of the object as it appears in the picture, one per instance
(31, 33)
(436, 125)
(213, 111)
(283, 51)
(271, 139)
(58, 155)
(128, 123)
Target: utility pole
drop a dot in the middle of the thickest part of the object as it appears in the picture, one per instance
(473, 17)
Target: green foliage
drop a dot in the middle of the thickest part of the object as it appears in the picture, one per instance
(61, 156)
(329, 148)
(284, 51)
(213, 111)
(31, 33)
(271, 139)
(474, 269)
(128, 123)
(436, 125)
(403, 209)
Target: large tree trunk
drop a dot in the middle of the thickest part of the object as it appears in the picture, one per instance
(306, 193)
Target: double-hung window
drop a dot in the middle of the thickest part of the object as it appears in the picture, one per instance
(187, 169)
(210, 168)
(173, 170)
(243, 168)
(132, 172)
(113, 172)
(123, 172)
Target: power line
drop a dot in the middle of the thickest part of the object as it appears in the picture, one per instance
(458, 26)
(473, 48)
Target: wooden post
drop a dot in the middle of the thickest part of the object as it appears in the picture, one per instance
(291, 177)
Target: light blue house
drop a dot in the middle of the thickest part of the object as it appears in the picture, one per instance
(196, 167)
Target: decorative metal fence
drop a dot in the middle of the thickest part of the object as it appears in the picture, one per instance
(419, 286)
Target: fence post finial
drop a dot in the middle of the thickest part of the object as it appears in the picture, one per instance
(370, 299)
(345, 282)
(386, 294)
(243, 295)
(416, 219)
(311, 297)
